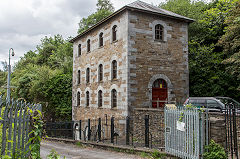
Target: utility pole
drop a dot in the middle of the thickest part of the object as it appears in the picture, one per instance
(9, 77)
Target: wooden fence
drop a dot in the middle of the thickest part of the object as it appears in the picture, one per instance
(15, 127)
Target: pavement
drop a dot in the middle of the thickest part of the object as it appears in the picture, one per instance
(71, 151)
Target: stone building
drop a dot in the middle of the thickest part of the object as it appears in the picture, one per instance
(135, 58)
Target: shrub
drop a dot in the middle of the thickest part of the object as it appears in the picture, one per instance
(214, 151)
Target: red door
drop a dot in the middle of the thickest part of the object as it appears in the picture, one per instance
(159, 93)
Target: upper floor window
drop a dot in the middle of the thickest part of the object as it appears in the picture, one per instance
(114, 33)
(100, 73)
(114, 98)
(159, 32)
(79, 49)
(79, 77)
(100, 98)
(114, 69)
(78, 98)
(100, 39)
(88, 45)
(87, 98)
(87, 75)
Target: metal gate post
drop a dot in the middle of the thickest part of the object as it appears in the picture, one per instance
(112, 129)
(89, 131)
(235, 133)
(146, 130)
(80, 129)
(127, 130)
(99, 129)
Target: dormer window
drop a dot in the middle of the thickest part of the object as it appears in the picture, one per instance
(79, 50)
(88, 45)
(114, 33)
(100, 39)
(158, 32)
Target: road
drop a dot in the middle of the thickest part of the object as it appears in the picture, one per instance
(71, 151)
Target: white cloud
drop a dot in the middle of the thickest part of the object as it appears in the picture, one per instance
(25, 22)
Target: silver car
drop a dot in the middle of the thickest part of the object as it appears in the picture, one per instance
(213, 104)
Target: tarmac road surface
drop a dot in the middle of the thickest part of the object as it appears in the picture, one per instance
(71, 151)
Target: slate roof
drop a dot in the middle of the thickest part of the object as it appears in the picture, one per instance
(142, 7)
(151, 8)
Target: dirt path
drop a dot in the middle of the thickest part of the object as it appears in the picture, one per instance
(71, 151)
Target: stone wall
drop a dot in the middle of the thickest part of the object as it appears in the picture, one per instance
(156, 126)
(217, 129)
(151, 59)
(111, 50)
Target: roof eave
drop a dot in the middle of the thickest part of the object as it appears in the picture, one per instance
(188, 20)
(98, 23)
(122, 9)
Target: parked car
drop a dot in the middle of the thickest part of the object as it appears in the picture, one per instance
(213, 104)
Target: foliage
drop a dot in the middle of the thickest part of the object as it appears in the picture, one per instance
(157, 155)
(231, 43)
(36, 133)
(58, 91)
(209, 64)
(104, 9)
(34, 72)
(53, 155)
(214, 151)
(191, 9)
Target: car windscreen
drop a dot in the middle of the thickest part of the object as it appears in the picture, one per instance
(197, 102)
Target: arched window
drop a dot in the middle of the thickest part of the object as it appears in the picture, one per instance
(114, 69)
(100, 98)
(78, 98)
(79, 77)
(159, 83)
(114, 98)
(87, 99)
(114, 33)
(79, 50)
(159, 32)
(88, 45)
(100, 73)
(100, 39)
(87, 75)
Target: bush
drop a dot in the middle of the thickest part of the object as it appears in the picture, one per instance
(214, 151)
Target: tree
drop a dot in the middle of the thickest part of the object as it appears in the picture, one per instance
(104, 9)
(36, 71)
(191, 9)
(231, 42)
(58, 91)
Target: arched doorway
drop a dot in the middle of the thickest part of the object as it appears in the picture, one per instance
(159, 93)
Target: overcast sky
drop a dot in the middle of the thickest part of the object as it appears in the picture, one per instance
(24, 22)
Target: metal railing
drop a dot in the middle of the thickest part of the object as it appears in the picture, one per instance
(15, 127)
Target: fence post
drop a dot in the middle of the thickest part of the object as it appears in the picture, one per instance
(89, 131)
(235, 133)
(146, 130)
(127, 130)
(99, 129)
(80, 129)
(112, 129)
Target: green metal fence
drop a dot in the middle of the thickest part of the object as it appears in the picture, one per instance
(15, 127)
